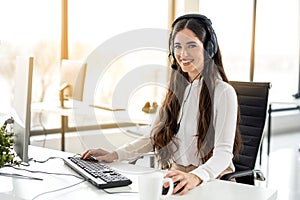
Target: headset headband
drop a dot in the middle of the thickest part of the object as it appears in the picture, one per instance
(194, 16)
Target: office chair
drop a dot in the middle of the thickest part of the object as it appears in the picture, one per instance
(72, 77)
(253, 100)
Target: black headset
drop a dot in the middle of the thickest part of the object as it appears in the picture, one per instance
(211, 45)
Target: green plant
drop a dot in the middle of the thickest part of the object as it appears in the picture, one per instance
(7, 156)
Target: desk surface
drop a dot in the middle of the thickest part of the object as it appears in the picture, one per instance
(289, 101)
(84, 113)
(14, 188)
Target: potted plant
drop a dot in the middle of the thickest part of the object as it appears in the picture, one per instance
(7, 155)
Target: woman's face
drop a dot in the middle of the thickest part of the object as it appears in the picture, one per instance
(189, 52)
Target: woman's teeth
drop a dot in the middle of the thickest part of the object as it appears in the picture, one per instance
(187, 61)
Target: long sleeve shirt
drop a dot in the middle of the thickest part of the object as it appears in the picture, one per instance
(225, 115)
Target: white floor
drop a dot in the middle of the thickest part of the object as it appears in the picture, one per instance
(282, 168)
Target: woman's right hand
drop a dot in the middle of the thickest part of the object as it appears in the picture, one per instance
(100, 155)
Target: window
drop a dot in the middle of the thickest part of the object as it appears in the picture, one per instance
(233, 28)
(276, 45)
(35, 31)
(29, 28)
(96, 26)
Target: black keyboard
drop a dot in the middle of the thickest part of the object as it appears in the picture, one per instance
(99, 174)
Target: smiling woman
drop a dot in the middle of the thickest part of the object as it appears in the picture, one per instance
(194, 133)
(93, 22)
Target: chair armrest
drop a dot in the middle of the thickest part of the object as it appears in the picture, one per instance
(258, 175)
(233, 175)
(150, 154)
(62, 90)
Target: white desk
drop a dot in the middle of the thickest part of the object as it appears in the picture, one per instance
(16, 189)
(86, 117)
(279, 106)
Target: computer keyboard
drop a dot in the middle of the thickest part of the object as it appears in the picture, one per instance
(99, 174)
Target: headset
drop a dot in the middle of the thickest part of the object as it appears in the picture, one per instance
(211, 45)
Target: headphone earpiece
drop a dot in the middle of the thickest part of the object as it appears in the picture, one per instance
(210, 49)
(212, 44)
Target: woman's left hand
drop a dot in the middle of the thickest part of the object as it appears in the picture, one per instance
(187, 180)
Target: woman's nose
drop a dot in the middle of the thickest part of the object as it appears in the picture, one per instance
(184, 52)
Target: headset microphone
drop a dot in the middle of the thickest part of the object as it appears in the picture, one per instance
(174, 66)
(183, 104)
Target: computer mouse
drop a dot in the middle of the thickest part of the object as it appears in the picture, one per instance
(165, 190)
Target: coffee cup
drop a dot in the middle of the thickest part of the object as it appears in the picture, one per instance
(151, 185)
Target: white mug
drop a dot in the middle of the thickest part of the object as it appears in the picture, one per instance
(151, 185)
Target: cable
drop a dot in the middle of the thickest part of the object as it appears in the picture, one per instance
(64, 174)
(41, 124)
(52, 173)
(183, 104)
(60, 189)
(43, 161)
(43, 172)
(121, 192)
(14, 175)
(53, 157)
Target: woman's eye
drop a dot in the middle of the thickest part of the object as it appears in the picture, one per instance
(177, 46)
(192, 46)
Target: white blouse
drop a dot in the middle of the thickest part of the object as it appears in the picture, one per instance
(225, 116)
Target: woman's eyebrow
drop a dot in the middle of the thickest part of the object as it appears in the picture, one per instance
(191, 42)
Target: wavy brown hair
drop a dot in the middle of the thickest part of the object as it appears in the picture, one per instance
(166, 126)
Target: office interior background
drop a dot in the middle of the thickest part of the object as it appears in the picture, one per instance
(34, 28)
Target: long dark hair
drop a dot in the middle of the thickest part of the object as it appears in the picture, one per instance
(165, 128)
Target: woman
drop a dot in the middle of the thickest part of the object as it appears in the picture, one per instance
(195, 133)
